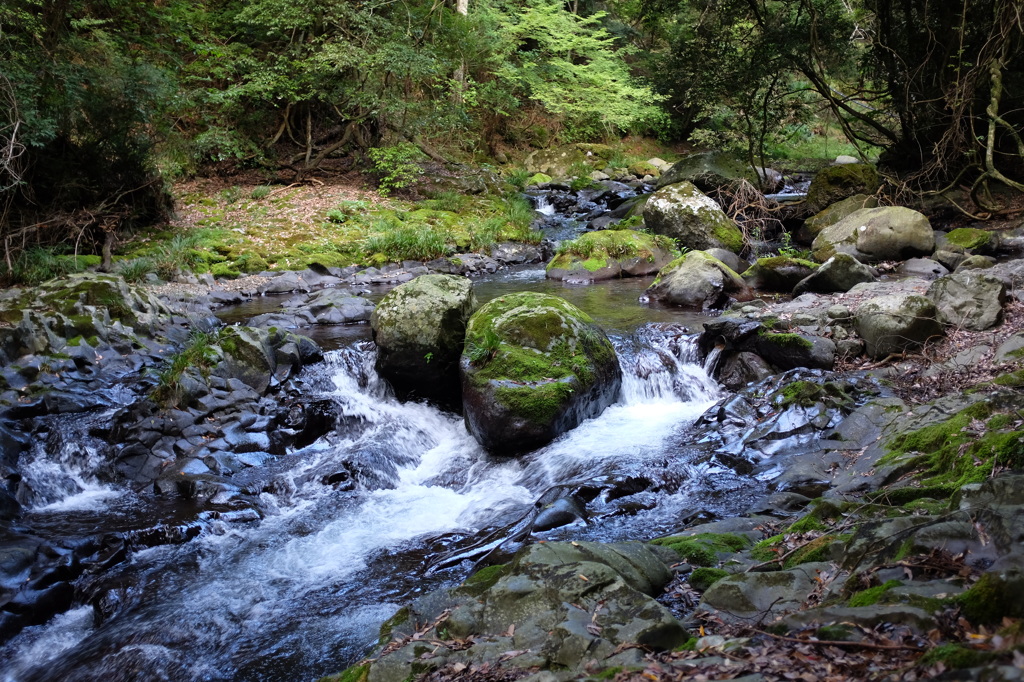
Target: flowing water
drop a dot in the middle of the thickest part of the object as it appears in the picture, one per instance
(294, 582)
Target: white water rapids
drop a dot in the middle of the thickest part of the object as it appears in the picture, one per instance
(299, 591)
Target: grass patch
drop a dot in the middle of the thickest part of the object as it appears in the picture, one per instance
(198, 354)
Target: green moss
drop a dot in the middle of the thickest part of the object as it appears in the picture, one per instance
(806, 524)
(991, 599)
(608, 673)
(594, 264)
(819, 549)
(483, 580)
(785, 339)
(969, 237)
(928, 505)
(765, 549)
(835, 633)
(1010, 380)
(702, 549)
(401, 617)
(1000, 421)
(808, 393)
(225, 270)
(873, 595)
(704, 577)
(688, 645)
(355, 673)
(953, 656)
(728, 235)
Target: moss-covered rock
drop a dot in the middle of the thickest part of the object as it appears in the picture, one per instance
(610, 253)
(419, 328)
(778, 273)
(693, 219)
(708, 171)
(534, 366)
(836, 212)
(877, 234)
(971, 238)
(836, 183)
(698, 280)
(840, 273)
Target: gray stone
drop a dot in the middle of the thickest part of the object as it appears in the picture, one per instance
(779, 273)
(896, 323)
(840, 273)
(976, 263)
(971, 300)
(877, 234)
(836, 212)
(744, 596)
(699, 281)
(925, 268)
(839, 182)
(1010, 350)
(708, 171)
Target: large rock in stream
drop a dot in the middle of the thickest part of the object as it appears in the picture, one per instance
(419, 329)
(877, 234)
(534, 367)
(698, 280)
(608, 254)
(693, 219)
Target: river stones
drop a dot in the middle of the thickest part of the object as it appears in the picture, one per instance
(836, 212)
(896, 323)
(608, 254)
(534, 366)
(698, 280)
(693, 219)
(419, 329)
(708, 171)
(877, 234)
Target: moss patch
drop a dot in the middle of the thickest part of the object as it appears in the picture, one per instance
(953, 656)
(401, 617)
(969, 237)
(703, 549)
(991, 599)
(873, 595)
(704, 577)
(355, 673)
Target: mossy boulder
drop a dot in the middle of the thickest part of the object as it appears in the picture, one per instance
(787, 350)
(534, 367)
(972, 239)
(833, 214)
(840, 273)
(559, 162)
(262, 358)
(608, 254)
(698, 280)
(708, 171)
(696, 221)
(778, 273)
(644, 168)
(419, 328)
(836, 183)
(896, 323)
(877, 234)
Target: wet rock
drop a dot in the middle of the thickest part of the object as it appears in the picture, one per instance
(877, 234)
(975, 263)
(534, 366)
(696, 221)
(743, 368)
(513, 253)
(971, 300)
(840, 182)
(839, 273)
(788, 351)
(419, 328)
(699, 281)
(779, 273)
(896, 323)
(609, 254)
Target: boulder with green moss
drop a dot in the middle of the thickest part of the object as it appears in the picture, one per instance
(698, 280)
(877, 234)
(419, 328)
(694, 220)
(836, 183)
(896, 323)
(778, 273)
(972, 239)
(840, 273)
(833, 214)
(558, 606)
(534, 366)
(708, 171)
(608, 254)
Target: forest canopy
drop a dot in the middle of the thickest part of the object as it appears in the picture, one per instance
(104, 101)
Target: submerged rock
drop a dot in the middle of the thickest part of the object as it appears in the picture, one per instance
(419, 328)
(534, 367)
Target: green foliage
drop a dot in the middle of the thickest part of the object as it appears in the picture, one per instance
(136, 269)
(396, 165)
(38, 264)
(259, 192)
(199, 356)
(480, 351)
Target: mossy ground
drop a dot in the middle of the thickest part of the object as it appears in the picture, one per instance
(295, 227)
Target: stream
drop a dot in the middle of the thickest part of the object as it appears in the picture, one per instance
(294, 582)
